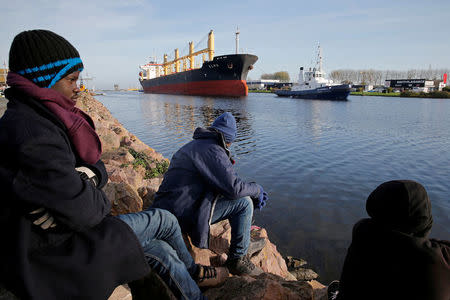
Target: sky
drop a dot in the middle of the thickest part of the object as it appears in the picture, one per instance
(115, 37)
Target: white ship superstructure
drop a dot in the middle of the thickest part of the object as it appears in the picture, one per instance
(151, 70)
(313, 78)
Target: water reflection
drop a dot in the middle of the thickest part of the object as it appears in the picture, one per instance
(181, 115)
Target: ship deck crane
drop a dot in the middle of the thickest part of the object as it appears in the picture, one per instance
(167, 65)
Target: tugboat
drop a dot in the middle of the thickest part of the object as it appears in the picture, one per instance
(312, 84)
(223, 75)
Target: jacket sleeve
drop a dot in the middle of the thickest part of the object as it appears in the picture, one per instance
(216, 169)
(47, 178)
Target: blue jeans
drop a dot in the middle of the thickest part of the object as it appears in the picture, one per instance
(160, 236)
(240, 213)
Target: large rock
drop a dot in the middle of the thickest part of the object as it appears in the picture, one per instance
(264, 287)
(124, 198)
(295, 268)
(135, 170)
(268, 259)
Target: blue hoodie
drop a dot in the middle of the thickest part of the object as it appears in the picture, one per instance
(199, 172)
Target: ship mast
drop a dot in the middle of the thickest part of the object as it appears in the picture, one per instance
(237, 40)
(319, 59)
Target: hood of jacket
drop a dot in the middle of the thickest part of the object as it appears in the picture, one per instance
(226, 124)
(205, 133)
(401, 205)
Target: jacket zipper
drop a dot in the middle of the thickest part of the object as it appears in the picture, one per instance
(212, 209)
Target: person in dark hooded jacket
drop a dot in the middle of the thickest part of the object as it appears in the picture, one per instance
(391, 256)
(201, 188)
(59, 240)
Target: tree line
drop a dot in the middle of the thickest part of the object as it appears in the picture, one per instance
(281, 76)
(378, 77)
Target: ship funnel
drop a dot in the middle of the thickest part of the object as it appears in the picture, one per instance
(301, 78)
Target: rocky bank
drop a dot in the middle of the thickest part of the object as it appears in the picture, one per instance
(135, 172)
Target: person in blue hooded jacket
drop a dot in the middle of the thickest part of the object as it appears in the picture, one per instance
(201, 188)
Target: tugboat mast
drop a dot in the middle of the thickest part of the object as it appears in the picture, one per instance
(320, 59)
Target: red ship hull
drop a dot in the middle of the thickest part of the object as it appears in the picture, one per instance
(231, 88)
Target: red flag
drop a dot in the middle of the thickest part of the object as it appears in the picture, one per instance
(445, 77)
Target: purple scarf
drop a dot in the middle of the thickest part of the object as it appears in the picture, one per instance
(80, 127)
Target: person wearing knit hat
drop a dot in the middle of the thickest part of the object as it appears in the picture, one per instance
(391, 255)
(43, 57)
(201, 188)
(59, 240)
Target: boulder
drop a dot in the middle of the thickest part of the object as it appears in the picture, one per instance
(263, 287)
(124, 198)
(135, 170)
(295, 268)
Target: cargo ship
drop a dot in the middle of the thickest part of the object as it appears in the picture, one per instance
(224, 75)
(312, 84)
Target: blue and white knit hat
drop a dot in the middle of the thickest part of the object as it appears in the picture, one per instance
(43, 57)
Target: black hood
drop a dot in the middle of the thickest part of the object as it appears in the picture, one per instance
(202, 133)
(401, 205)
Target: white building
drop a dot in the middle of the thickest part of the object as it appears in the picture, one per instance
(261, 84)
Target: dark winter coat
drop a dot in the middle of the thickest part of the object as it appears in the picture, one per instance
(390, 256)
(89, 252)
(199, 172)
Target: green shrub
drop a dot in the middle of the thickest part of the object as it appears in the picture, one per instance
(439, 94)
(407, 93)
(436, 94)
(141, 159)
(446, 88)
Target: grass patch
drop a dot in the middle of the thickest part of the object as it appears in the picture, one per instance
(375, 94)
(406, 94)
(436, 94)
(259, 91)
(141, 159)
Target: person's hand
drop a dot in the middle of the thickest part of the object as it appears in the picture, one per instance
(42, 218)
(261, 201)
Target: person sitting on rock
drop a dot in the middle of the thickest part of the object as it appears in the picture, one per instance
(201, 188)
(59, 240)
(391, 256)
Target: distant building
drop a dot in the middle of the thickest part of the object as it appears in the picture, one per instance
(3, 74)
(416, 85)
(116, 87)
(266, 84)
(441, 85)
(359, 87)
